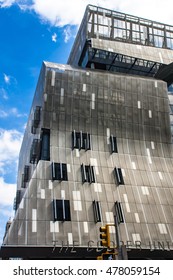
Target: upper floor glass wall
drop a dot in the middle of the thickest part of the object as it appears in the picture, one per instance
(113, 25)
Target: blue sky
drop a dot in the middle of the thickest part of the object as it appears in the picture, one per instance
(25, 41)
(32, 31)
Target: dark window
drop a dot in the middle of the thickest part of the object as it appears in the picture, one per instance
(119, 176)
(81, 140)
(113, 141)
(87, 173)
(36, 120)
(45, 144)
(17, 200)
(118, 212)
(26, 173)
(33, 129)
(35, 151)
(97, 211)
(61, 210)
(59, 171)
(37, 116)
(14, 204)
(25, 176)
(23, 184)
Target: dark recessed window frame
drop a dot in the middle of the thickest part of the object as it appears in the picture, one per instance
(61, 210)
(45, 144)
(36, 119)
(37, 115)
(35, 151)
(81, 140)
(26, 174)
(17, 200)
(119, 212)
(113, 142)
(119, 176)
(23, 184)
(97, 211)
(59, 171)
(88, 174)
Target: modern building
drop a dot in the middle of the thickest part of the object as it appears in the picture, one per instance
(98, 147)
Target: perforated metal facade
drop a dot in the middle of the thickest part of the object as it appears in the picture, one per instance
(101, 148)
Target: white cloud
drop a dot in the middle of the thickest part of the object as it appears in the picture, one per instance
(24, 126)
(6, 78)
(54, 37)
(6, 3)
(10, 143)
(67, 34)
(14, 111)
(7, 211)
(2, 172)
(7, 193)
(3, 93)
(11, 112)
(3, 114)
(61, 13)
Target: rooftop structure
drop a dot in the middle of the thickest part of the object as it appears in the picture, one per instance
(119, 42)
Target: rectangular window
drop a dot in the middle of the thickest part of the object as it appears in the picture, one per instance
(33, 129)
(87, 173)
(36, 120)
(45, 144)
(97, 211)
(14, 204)
(61, 210)
(37, 114)
(119, 176)
(26, 173)
(59, 171)
(17, 200)
(23, 184)
(26, 176)
(118, 212)
(113, 141)
(35, 151)
(81, 140)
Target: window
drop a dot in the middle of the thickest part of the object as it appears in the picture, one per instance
(14, 204)
(17, 200)
(87, 174)
(118, 212)
(81, 140)
(61, 210)
(33, 129)
(97, 211)
(113, 141)
(26, 173)
(119, 176)
(25, 176)
(36, 119)
(45, 144)
(23, 183)
(35, 151)
(59, 171)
